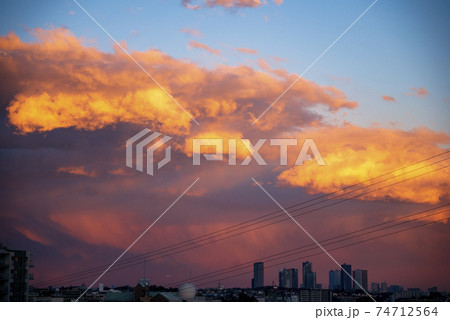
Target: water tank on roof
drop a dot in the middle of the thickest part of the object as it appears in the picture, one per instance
(187, 291)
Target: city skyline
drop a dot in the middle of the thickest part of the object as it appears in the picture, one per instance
(297, 280)
(80, 80)
(16, 273)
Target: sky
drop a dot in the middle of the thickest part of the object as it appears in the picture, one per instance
(375, 104)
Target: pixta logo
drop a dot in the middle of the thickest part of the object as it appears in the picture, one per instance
(148, 142)
(144, 143)
(308, 147)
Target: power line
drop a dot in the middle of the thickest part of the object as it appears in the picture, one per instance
(129, 261)
(424, 211)
(320, 252)
(243, 225)
(177, 246)
(326, 242)
(353, 232)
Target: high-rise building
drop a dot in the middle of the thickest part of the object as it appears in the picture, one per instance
(375, 287)
(308, 276)
(282, 278)
(293, 274)
(310, 280)
(295, 284)
(346, 280)
(258, 275)
(14, 274)
(384, 287)
(306, 268)
(360, 277)
(334, 280)
(288, 278)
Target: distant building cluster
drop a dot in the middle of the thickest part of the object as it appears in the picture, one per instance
(288, 278)
(345, 284)
(342, 279)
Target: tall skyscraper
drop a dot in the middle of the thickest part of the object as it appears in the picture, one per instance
(334, 280)
(308, 276)
(306, 268)
(258, 275)
(281, 277)
(360, 277)
(288, 278)
(346, 280)
(310, 280)
(294, 278)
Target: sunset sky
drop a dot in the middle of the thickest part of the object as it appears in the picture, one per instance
(376, 102)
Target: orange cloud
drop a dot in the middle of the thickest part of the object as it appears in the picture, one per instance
(388, 98)
(334, 98)
(81, 171)
(192, 32)
(354, 154)
(247, 50)
(120, 172)
(278, 2)
(198, 45)
(33, 236)
(58, 82)
(69, 85)
(187, 4)
(419, 92)
(119, 230)
(100, 227)
(278, 59)
(208, 137)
